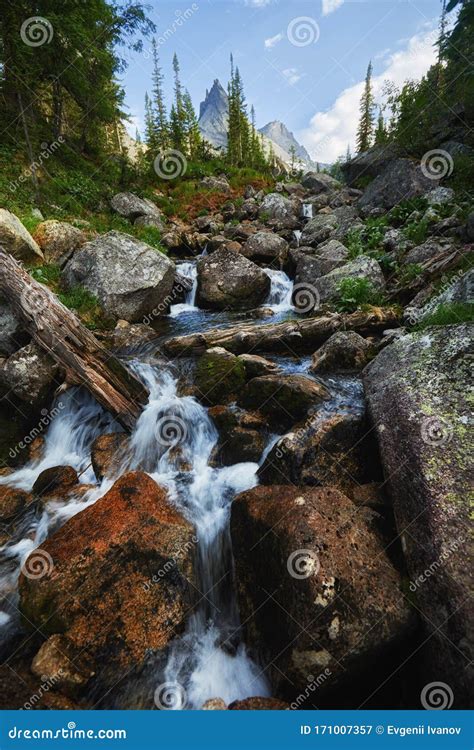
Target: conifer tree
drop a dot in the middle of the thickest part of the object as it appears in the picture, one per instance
(366, 123)
(177, 114)
(191, 127)
(159, 109)
(380, 131)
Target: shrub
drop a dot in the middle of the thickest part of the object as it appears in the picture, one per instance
(416, 231)
(356, 292)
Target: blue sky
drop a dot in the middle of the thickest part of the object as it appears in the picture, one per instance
(302, 61)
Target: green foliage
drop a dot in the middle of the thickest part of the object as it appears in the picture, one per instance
(400, 213)
(409, 273)
(366, 124)
(368, 240)
(416, 231)
(448, 314)
(48, 274)
(354, 293)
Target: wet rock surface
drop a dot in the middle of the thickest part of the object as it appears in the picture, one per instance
(316, 589)
(130, 552)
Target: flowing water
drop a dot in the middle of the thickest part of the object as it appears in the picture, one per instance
(173, 442)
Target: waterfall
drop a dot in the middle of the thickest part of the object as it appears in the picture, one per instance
(187, 270)
(281, 289)
(307, 210)
(210, 659)
(297, 235)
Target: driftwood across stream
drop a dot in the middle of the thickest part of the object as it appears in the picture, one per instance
(84, 360)
(296, 336)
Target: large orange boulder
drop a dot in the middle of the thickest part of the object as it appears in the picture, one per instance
(116, 579)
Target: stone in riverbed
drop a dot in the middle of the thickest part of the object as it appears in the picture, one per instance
(29, 374)
(321, 451)
(16, 239)
(265, 247)
(284, 399)
(320, 182)
(108, 453)
(345, 350)
(279, 210)
(67, 669)
(416, 390)
(130, 206)
(58, 240)
(13, 501)
(55, 480)
(242, 435)
(227, 280)
(220, 376)
(335, 599)
(259, 704)
(129, 553)
(362, 267)
(129, 278)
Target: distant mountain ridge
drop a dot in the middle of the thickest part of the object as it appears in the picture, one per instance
(277, 132)
(214, 121)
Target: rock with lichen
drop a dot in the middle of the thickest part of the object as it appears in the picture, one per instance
(418, 396)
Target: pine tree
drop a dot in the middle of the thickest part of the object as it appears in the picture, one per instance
(381, 135)
(150, 129)
(191, 127)
(366, 123)
(177, 114)
(348, 153)
(159, 108)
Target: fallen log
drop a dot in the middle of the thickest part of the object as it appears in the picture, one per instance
(60, 333)
(292, 337)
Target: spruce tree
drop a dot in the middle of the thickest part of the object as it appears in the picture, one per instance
(159, 109)
(366, 123)
(177, 115)
(380, 131)
(191, 127)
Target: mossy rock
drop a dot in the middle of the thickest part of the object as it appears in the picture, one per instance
(220, 376)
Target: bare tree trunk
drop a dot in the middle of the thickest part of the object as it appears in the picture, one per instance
(61, 334)
(298, 336)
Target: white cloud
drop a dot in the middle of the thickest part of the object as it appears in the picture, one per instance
(258, 3)
(292, 75)
(329, 6)
(331, 131)
(269, 43)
